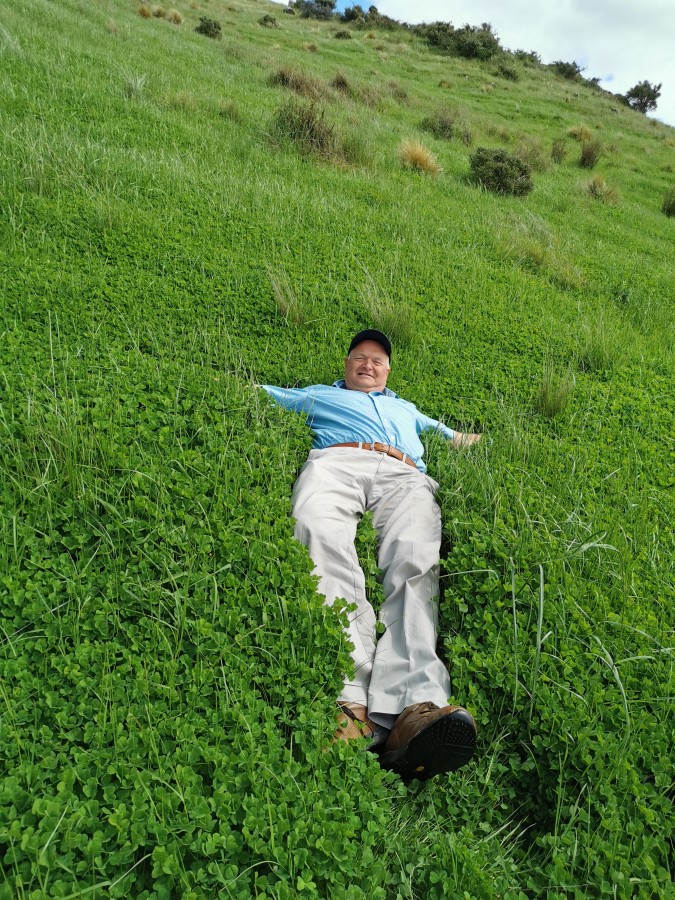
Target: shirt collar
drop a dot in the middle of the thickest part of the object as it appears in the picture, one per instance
(386, 392)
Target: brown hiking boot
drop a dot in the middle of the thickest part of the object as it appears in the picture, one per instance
(427, 740)
(353, 722)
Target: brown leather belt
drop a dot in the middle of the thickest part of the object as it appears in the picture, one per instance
(379, 448)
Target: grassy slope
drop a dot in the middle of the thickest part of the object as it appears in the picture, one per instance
(167, 670)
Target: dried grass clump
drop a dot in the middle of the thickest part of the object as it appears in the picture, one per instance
(268, 21)
(580, 133)
(600, 190)
(343, 35)
(414, 155)
(371, 36)
(144, 12)
(444, 83)
(112, 27)
(590, 154)
(158, 12)
(311, 48)
(175, 17)
(293, 80)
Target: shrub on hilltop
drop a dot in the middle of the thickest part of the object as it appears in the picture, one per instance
(315, 9)
(470, 41)
(569, 70)
(373, 18)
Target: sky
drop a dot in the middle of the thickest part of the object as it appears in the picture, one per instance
(621, 42)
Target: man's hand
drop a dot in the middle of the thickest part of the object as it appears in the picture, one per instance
(464, 440)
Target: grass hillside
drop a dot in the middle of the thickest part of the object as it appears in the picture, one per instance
(183, 216)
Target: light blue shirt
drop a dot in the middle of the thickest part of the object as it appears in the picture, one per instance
(337, 415)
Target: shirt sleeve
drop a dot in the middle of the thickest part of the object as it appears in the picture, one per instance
(296, 399)
(428, 424)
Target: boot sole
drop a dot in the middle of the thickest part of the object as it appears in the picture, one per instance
(443, 746)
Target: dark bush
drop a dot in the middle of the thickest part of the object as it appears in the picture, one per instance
(288, 10)
(208, 27)
(268, 22)
(343, 35)
(500, 172)
(590, 153)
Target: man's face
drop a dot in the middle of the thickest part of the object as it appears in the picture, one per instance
(367, 367)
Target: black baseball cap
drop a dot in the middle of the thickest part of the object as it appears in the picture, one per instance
(370, 334)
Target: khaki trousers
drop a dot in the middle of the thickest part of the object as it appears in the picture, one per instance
(333, 490)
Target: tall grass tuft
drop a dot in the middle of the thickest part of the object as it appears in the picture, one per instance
(134, 86)
(558, 151)
(441, 123)
(341, 84)
(599, 344)
(554, 392)
(290, 304)
(396, 318)
(598, 188)
(668, 206)
(531, 152)
(590, 154)
(414, 155)
(296, 81)
(305, 125)
(175, 17)
(580, 133)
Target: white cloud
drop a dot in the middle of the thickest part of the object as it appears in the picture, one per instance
(621, 42)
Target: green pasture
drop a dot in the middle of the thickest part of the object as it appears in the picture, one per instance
(167, 670)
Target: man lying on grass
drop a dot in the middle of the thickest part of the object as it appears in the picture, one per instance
(367, 456)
